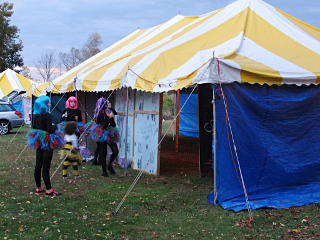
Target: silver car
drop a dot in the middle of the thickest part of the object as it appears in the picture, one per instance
(9, 118)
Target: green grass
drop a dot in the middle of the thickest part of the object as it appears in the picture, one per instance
(165, 207)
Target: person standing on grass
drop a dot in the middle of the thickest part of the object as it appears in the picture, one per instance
(113, 146)
(44, 138)
(113, 140)
(72, 113)
(101, 132)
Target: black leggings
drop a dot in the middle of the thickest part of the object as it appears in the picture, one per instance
(102, 155)
(43, 161)
(115, 152)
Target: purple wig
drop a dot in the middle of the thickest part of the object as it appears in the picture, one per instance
(101, 106)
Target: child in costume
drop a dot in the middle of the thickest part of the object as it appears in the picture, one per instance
(70, 152)
(72, 113)
(113, 146)
(44, 138)
(102, 132)
(112, 143)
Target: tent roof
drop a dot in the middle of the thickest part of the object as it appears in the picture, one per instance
(254, 42)
(10, 80)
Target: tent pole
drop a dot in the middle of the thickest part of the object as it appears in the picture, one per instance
(126, 146)
(50, 102)
(50, 96)
(214, 150)
(177, 120)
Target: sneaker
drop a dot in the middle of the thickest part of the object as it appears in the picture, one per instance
(77, 177)
(39, 190)
(105, 174)
(52, 192)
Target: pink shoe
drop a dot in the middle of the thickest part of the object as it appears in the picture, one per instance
(39, 190)
(52, 192)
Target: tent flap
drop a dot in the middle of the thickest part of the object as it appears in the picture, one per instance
(276, 131)
(188, 117)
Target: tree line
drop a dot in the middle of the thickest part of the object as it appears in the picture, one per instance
(50, 63)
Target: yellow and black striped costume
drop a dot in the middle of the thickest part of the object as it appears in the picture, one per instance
(72, 157)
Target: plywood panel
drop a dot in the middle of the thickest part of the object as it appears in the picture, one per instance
(146, 131)
(147, 101)
(121, 96)
(146, 142)
(121, 120)
(121, 124)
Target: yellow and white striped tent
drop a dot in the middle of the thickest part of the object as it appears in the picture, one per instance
(10, 80)
(255, 43)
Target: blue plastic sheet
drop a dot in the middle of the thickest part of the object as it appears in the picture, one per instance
(276, 131)
(188, 117)
(18, 106)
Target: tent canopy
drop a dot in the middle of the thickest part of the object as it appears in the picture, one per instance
(255, 43)
(10, 80)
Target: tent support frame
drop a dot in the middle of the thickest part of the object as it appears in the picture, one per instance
(127, 110)
(214, 148)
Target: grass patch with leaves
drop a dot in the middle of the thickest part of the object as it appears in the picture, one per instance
(165, 207)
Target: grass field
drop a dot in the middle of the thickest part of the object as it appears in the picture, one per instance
(165, 207)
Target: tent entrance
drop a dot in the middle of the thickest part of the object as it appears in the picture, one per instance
(187, 147)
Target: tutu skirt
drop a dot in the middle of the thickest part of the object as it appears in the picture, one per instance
(99, 134)
(37, 138)
(80, 126)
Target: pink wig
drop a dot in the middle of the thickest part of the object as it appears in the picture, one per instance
(70, 99)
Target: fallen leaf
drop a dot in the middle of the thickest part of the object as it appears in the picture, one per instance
(46, 229)
(108, 213)
(20, 229)
(294, 230)
(155, 235)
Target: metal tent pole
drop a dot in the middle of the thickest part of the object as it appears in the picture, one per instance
(215, 147)
(126, 146)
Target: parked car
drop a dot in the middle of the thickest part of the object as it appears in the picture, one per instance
(9, 118)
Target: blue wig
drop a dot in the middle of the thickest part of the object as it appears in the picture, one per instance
(41, 105)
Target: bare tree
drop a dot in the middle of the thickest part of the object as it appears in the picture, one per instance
(72, 59)
(91, 47)
(25, 71)
(77, 56)
(47, 66)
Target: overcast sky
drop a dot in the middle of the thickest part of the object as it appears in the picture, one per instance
(61, 24)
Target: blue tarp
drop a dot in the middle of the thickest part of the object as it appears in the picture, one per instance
(188, 117)
(18, 106)
(59, 105)
(276, 131)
